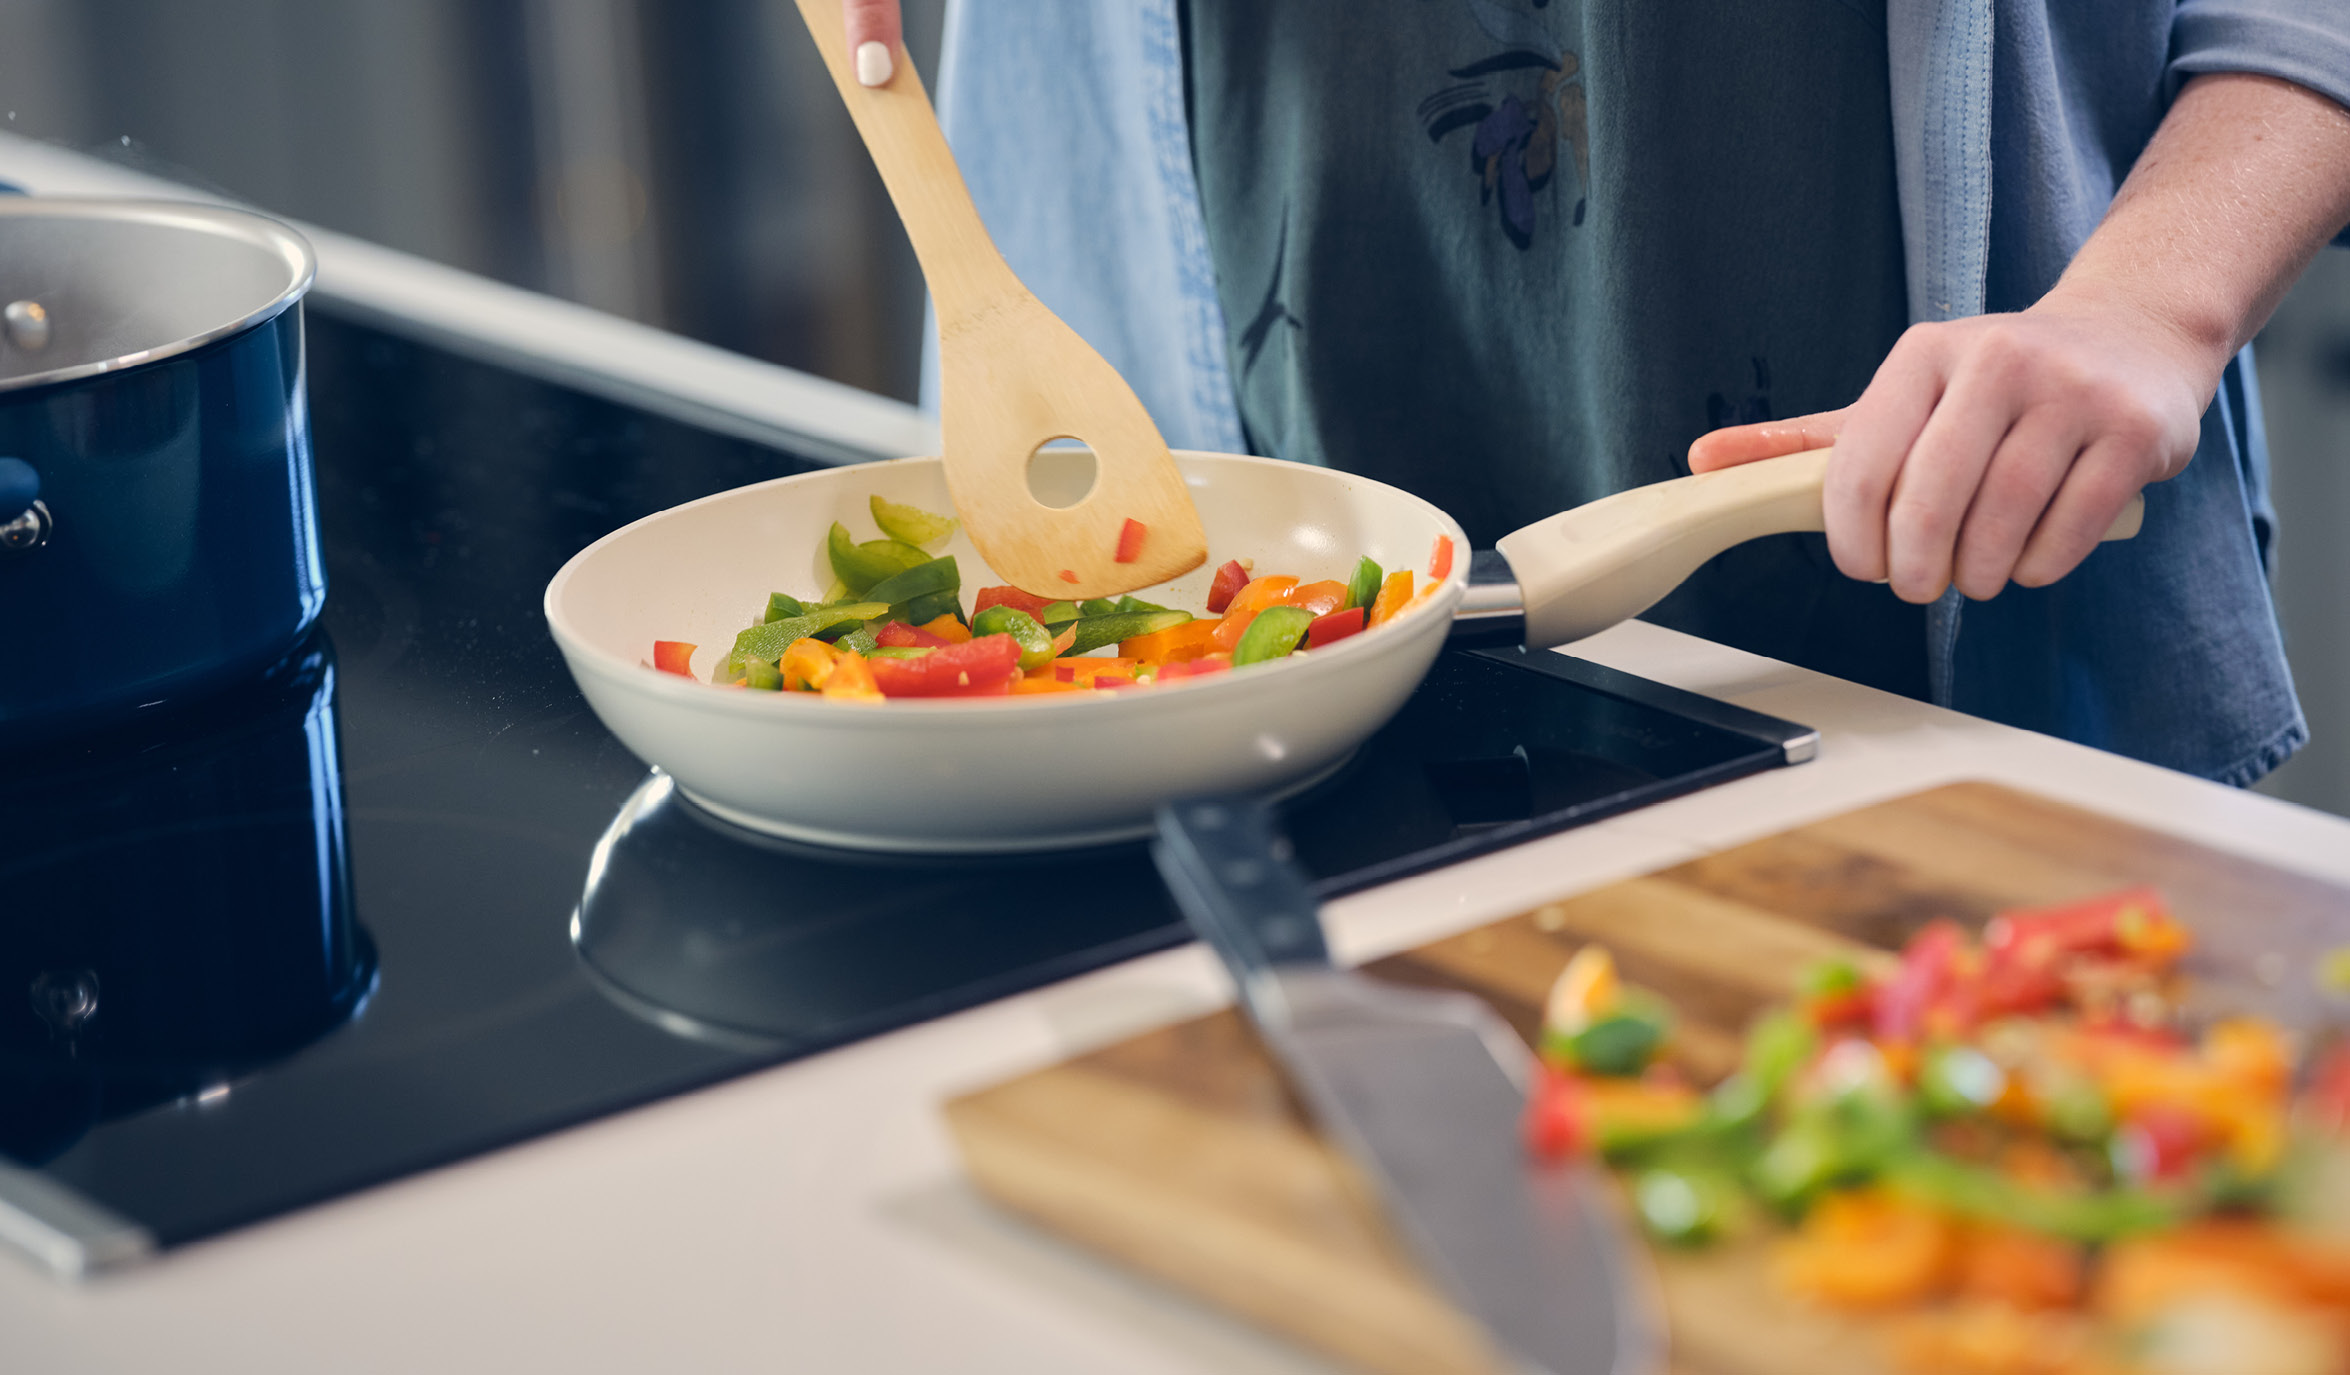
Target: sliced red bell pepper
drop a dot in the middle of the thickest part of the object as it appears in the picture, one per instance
(673, 656)
(1440, 562)
(1229, 580)
(2325, 1104)
(1558, 1115)
(1130, 538)
(2133, 921)
(983, 666)
(899, 635)
(1068, 575)
(1334, 627)
(1928, 968)
(1012, 597)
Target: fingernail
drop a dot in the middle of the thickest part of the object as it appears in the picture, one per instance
(873, 64)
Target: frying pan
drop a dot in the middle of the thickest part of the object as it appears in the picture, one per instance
(1071, 769)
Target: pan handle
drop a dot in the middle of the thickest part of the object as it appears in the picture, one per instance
(1606, 561)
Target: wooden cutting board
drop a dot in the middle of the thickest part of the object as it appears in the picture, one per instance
(1180, 1152)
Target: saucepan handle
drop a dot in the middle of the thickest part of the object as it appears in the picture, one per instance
(1606, 561)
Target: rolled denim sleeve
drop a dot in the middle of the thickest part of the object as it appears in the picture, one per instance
(2306, 42)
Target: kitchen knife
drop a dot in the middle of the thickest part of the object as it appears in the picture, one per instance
(1424, 1090)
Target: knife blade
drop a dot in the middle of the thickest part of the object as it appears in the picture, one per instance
(1424, 1090)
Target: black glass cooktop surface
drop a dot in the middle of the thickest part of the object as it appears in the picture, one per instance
(406, 900)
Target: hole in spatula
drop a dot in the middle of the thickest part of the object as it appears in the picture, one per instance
(1061, 473)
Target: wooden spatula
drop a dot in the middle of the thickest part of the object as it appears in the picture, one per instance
(1605, 561)
(1014, 377)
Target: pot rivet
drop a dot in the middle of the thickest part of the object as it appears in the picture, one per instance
(28, 325)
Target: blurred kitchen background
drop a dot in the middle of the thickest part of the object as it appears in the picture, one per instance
(687, 164)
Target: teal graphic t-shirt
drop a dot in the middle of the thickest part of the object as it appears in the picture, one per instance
(1514, 255)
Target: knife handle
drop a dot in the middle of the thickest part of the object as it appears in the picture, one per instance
(1231, 872)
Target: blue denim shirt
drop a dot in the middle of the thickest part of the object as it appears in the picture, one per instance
(2014, 121)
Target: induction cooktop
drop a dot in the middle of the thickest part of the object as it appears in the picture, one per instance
(403, 900)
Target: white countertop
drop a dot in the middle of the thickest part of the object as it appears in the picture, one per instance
(812, 1217)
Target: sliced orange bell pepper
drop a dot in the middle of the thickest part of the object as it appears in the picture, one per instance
(852, 680)
(1320, 598)
(2019, 1268)
(808, 665)
(1085, 670)
(1869, 1248)
(1246, 603)
(1440, 560)
(947, 628)
(1393, 593)
(674, 656)
(1029, 686)
(1189, 640)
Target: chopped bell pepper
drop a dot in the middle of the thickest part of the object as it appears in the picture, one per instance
(852, 681)
(1330, 629)
(1869, 1248)
(769, 640)
(1582, 993)
(946, 627)
(808, 664)
(1068, 575)
(985, 665)
(1180, 669)
(1272, 633)
(1558, 1116)
(1036, 643)
(1084, 671)
(1393, 593)
(761, 676)
(1189, 640)
(1319, 598)
(1929, 966)
(1095, 631)
(1363, 587)
(860, 566)
(1028, 686)
(909, 524)
(674, 656)
(1130, 538)
(1228, 581)
(1012, 597)
(779, 606)
(899, 635)
(1246, 603)
(1440, 560)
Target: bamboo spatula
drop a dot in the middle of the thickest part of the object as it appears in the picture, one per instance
(1014, 376)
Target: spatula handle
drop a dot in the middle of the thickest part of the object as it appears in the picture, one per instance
(960, 262)
(1584, 570)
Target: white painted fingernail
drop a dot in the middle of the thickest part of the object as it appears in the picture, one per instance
(873, 64)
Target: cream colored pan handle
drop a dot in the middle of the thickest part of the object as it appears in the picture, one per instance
(1584, 570)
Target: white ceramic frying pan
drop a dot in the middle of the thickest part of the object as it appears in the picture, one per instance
(1070, 769)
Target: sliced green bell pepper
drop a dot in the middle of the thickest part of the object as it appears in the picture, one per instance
(1036, 642)
(860, 640)
(859, 566)
(780, 606)
(909, 524)
(769, 640)
(762, 676)
(1129, 605)
(1273, 634)
(1095, 631)
(1363, 587)
(931, 575)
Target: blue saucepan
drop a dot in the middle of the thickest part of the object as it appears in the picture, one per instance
(158, 527)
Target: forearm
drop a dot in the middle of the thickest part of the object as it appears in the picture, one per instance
(2247, 178)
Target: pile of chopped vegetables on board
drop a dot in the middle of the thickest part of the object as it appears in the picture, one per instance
(2016, 1144)
(893, 624)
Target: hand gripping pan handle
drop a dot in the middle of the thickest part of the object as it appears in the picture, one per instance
(1606, 561)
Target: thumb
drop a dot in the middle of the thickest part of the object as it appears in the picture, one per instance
(1727, 448)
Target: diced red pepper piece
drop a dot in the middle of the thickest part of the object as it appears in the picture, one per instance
(2325, 1104)
(899, 635)
(673, 656)
(1558, 1115)
(2157, 1143)
(1068, 575)
(984, 666)
(2133, 921)
(1113, 680)
(1229, 580)
(1130, 538)
(1928, 968)
(1334, 627)
(1012, 597)
(1440, 562)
